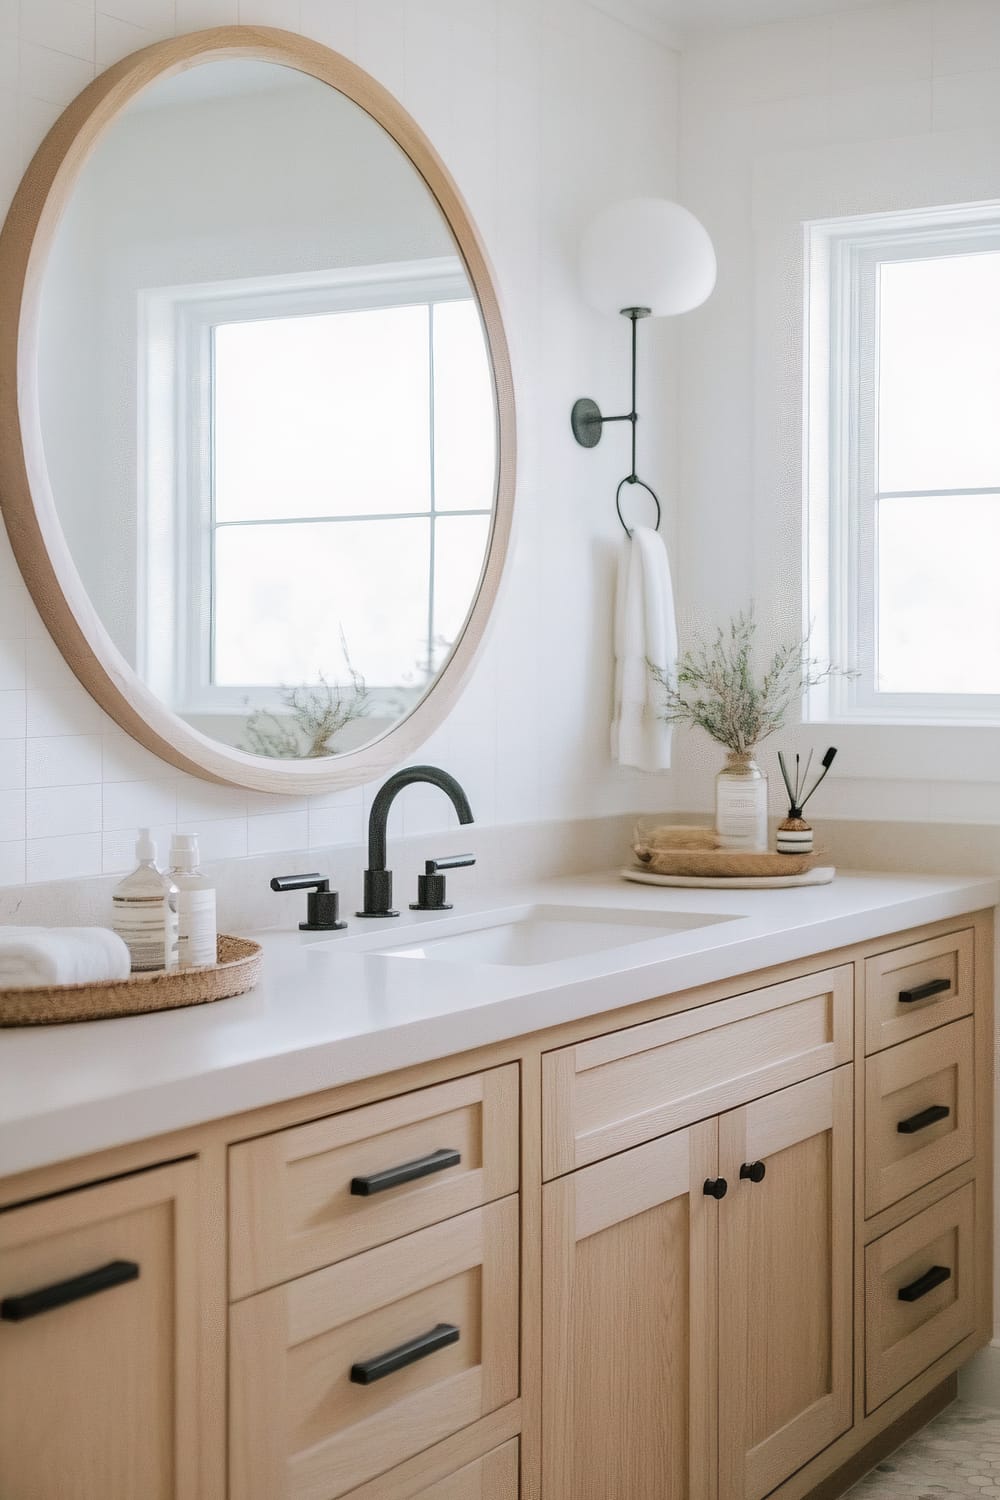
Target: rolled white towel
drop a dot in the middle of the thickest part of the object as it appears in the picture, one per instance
(33, 957)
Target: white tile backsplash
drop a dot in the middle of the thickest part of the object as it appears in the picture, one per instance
(63, 858)
(51, 76)
(277, 831)
(12, 764)
(139, 804)
(13, 668)
(13, 711)
(335, 825)
(117, 38)
(12, 863)
(12, 815)
(64, 760)
(64, 25)
(154, 15)
(65, 710)
(55, 810)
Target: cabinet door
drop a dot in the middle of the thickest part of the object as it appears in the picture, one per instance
(629, 1334)
(98, 1397)
(785, 1283)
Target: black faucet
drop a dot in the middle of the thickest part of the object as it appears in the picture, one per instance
(378, 880)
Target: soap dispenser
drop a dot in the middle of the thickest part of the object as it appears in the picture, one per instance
(145, 911)
(197, 936)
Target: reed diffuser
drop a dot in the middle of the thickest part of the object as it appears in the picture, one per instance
(795, 835)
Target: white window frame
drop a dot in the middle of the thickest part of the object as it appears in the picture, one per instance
(842, 257)
(175, 611)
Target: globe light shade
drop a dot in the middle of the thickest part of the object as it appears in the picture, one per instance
(649, 253)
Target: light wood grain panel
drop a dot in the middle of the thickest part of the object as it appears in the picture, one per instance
(606, 1095)
(300, 1428)
(100, 1397)
(934, 1069)
(492, 1477)
(949, 957)
(629, 1309)
(785, 1283)
(291, 1206)
(29, 506)
(409, 1481)
(904, 1338)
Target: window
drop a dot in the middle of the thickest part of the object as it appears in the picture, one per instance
(331, 442)
(903, 463)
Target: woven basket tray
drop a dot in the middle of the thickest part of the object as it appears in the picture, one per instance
(236, 972)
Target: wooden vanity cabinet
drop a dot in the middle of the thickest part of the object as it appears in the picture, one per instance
(697, 1303)
(99, 1308)
(630, 1251)
(786, 1252)
(592, 1323)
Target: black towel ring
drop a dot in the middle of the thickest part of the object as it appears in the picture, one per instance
(634, 479)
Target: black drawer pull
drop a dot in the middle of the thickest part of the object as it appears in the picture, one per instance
(921, 1121)
(392, 1360)
(924, 1284)
(30, 1304)
(409, 1171)
(716, 1187)
(753, 1171)
(924, 991)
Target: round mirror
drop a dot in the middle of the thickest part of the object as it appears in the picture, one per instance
(261, 492)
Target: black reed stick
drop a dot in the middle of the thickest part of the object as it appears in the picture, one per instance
(827, 763)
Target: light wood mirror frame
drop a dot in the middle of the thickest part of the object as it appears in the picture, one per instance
(26, 498)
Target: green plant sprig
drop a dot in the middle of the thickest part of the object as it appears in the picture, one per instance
(716, 686)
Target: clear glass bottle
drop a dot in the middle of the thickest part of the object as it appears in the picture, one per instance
(741, 804)
(145, 911)
(197, 937)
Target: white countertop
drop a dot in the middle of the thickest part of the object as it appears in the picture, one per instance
(325, 1015)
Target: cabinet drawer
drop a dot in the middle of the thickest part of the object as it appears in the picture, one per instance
(918, 1113)
(307, 1197)
(493, 1477)
(99, 1341)
(343, 1374)
(919, 1294)
(916, 988)
(606, 1095)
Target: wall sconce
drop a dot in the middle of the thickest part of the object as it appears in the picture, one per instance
(646, 257)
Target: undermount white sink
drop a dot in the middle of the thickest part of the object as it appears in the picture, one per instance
(526, 935)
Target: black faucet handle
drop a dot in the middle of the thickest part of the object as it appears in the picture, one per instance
(431, 890)
(322, 904)
(313, 881)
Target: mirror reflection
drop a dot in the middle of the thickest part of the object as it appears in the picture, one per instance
(267, 409)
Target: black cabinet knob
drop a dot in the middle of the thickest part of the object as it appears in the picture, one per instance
(753, 1171)
(716, 1187)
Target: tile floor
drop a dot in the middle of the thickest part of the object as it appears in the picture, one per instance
(956, 1454)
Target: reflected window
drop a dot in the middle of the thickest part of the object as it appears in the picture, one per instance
(338, 488)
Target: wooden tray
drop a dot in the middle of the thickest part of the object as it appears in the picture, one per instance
(237, 971)
(820, 875)
(724, 862)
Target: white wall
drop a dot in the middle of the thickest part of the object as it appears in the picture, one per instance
(888, 106)
(544, 111)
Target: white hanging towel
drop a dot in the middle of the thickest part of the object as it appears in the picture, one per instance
(645, 631)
